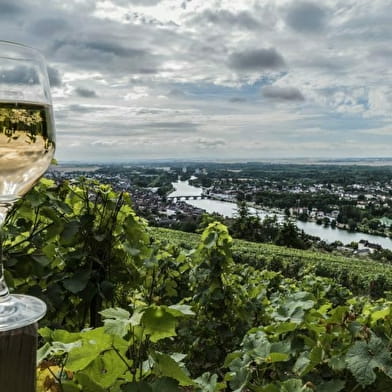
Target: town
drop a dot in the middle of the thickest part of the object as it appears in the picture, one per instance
(354, 198)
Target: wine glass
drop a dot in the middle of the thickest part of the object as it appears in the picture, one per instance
(27, 144)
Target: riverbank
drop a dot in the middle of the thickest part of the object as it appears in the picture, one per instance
(228, 209)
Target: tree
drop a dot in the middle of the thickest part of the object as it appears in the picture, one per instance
(290, 236)
(246, 225)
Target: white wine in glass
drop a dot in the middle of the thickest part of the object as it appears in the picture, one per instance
(27, 144)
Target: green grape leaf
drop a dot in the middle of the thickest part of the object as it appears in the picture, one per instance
(36, 198)
(165, 384)
(115, 313)
(239, 374)
(116, 327)
(41, 259)
(46, 333)
(106, 369)
(116, 321)
(283, 347)
(81, 357)
(43, 352)
(88, 384)
(164, 365)
(293, 308)
(270, 388)
(277, 357)
(281, 328)
(49, 250)
(49, 213)
(180, 310)
(69, 386)
(69, 232)
(331, 386)
(380, 314)
(209, 383)
(78, 282)
(141, 386)
(337, 363)
(302, 362)
(60, 335)
(158, 323)
(362, 358)
(93, 342)
(293, 385)
(136, 317)
(307, 361)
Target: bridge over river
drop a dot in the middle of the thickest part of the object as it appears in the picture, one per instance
(189, 197)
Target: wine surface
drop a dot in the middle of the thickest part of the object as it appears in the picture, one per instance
(27, 144)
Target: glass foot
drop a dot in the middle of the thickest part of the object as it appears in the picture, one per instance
(20, 310)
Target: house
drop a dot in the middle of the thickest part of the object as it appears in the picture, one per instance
(334, 214)
(386, 221)
(367, 247)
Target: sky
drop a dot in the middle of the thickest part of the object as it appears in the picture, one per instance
(216, 79)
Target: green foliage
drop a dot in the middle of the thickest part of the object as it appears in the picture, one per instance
(121, 353)
(364, 357)
(361, 276)
(66, 242)
(241, 323)
(217, 300)
(322, 347)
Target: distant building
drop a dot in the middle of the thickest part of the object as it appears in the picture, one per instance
(366, 247)
(386, 221)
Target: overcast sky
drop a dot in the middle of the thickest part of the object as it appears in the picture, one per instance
(226, 79)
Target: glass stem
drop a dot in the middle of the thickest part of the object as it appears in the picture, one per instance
(4, 293)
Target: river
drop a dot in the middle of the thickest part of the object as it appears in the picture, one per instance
(228, 209)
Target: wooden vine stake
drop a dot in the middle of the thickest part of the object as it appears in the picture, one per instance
(18, 353)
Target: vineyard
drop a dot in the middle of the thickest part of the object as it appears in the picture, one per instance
(137, 309)
(361, 276)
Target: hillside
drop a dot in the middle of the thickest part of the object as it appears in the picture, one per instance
(139, 309)
(361, 276)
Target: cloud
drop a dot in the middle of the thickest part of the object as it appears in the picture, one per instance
(171, 126)
(256, 60)
(226, 18)
(104, 55)
(200, 72)
(146, 3)
(86, 108)
(147, 71)
(237, 100)
(89, 47)
(282, 93)
(206, 143)
(54, 77)
(85, 92)
(9, 9)
(331, 63)
(49, 26)
(19, 74)
(381, 53)
(306, 17)
(177, 93)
